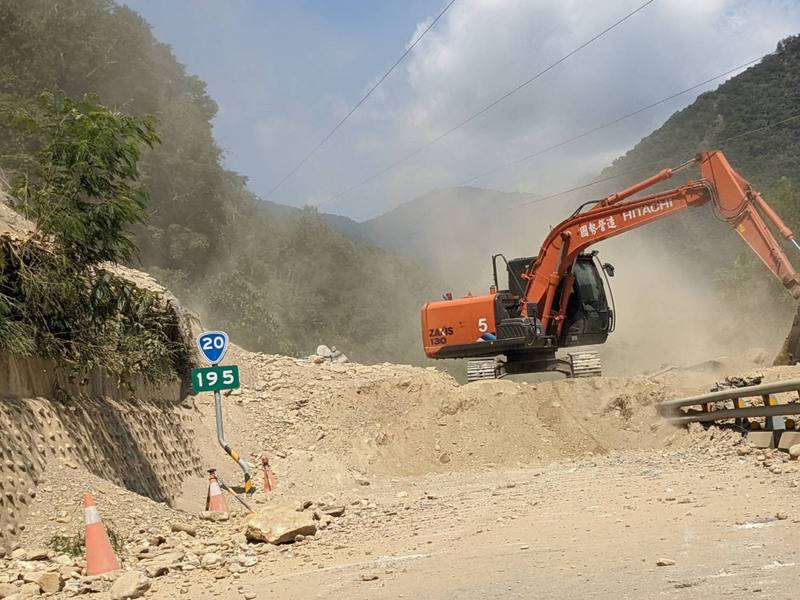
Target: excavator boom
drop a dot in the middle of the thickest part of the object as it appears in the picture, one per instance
(546, 312)
(733, 197)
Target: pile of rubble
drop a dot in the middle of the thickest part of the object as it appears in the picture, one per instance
(210, 546)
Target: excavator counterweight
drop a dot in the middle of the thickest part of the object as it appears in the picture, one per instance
(559, 298)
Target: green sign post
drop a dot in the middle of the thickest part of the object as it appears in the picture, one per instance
(214, 379)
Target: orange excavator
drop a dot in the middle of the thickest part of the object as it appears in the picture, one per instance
(559, 298)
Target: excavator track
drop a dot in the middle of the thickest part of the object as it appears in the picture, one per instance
(482, 369)
(585, 364)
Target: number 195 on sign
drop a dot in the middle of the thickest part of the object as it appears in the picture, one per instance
(211, 379)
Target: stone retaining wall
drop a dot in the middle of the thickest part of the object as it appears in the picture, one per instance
(138, 436)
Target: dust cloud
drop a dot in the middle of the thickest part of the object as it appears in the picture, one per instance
(668, 312)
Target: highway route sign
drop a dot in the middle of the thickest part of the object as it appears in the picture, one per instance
(214, 379)
(213, 345)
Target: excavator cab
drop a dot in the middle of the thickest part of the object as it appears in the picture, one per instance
(589, 318)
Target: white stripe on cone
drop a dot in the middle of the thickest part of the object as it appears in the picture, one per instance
(90, 515)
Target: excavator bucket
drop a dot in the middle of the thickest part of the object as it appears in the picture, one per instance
(790, 352)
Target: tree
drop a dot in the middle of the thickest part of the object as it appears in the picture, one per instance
(81, 189)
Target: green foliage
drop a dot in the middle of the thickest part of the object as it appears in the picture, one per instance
(73, 545)
(277, 283)
(13, 334)
(81, 187)
(733, 118)
(287, 286)
(766, 93)
(71, 48)
(85, 318)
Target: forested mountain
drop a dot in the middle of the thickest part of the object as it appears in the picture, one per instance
(746, 117)
(687, 286)
(283, 279)
(754, 118)
(278, 280)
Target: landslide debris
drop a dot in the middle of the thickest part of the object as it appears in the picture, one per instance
(353, 447)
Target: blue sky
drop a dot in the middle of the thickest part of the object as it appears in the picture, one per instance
(283, 73)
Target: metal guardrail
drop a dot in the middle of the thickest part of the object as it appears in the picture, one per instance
(770, 408)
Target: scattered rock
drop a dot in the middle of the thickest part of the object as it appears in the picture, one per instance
(37, 554)
(208, 515)
(184, 527)
(247, 561)
(362, 481)
(333, 511)
(743, 449)
(131, 584)
(781, 516)
(211, 559)
(50, 582)
(665, 562)
(153, 571)
(368, 577)
(27, 590)
(794, 452)
(63, 559)
(68, 571)
(279, 523)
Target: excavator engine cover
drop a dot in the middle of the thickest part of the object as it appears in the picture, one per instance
(459, 322)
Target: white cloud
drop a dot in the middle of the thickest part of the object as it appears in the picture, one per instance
(284, 74)
(482, 48)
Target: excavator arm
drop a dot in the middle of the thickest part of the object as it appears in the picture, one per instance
(734, 199)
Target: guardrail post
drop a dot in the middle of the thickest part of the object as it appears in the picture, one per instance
(739, 421)
(774, 423)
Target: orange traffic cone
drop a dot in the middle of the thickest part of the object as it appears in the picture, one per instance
(215, 501)
(270, 482)
(100, 557)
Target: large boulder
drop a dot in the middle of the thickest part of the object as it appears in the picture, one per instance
(279, 522)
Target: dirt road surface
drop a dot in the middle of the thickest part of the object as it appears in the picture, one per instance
(583, 529)
(549, 489)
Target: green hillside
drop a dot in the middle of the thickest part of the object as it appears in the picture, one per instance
(277, 280)
(754, 118)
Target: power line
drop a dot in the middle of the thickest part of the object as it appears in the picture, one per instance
(488, 107)
(764, 128)
(330, 134)
(718, 144)
(642, 167)
(593, 183)
(607, 124)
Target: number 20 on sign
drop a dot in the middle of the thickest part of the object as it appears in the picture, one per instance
(213, 345)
